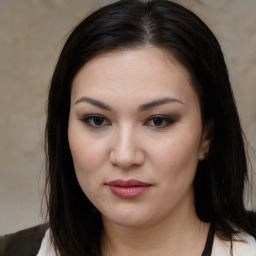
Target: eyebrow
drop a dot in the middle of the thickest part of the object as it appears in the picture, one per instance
(158, 102)
(94, 102)
(142, 107)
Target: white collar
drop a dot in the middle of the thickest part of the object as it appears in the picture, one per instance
(243, 245)
(46, 248)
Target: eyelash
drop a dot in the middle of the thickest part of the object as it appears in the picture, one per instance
(163, 119)
(91, 121)
(92, 118)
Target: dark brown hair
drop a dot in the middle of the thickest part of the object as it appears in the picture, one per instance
(219, 183)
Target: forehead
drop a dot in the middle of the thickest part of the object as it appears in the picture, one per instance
(132, 72)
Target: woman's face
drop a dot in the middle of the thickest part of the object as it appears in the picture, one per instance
(135, 135)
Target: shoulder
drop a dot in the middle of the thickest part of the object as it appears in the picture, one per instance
(25, 242)
(242, 244)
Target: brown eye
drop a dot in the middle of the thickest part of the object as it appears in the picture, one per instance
(159, 121)
(95, 121)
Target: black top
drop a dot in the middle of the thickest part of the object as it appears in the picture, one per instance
(23, 243)
(209, 242)
(27, 242)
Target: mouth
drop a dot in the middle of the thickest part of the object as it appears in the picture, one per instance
(128, 189)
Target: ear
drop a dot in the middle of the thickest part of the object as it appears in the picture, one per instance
(205, 141)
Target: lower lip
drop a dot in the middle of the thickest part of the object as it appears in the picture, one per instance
(128, 192)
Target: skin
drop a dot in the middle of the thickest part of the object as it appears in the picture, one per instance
(125, 142)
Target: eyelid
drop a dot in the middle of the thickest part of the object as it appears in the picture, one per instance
(165, 120)
(87, 118)
(168, 119)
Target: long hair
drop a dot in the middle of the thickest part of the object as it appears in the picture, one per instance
(219, 183)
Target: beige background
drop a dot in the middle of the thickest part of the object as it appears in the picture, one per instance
(31, 35)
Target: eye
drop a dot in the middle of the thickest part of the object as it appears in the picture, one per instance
(159, 121)
(95, 121)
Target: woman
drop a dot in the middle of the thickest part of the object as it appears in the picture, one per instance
(144, 147)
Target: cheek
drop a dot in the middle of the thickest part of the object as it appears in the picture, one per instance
(85, 163)
(86, 152)
(89, 163)
(178, 157)
(85, 158)
(178, 149)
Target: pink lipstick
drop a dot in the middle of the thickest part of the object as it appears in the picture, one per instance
(127, 189)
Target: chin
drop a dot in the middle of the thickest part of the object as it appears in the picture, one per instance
(129, 219)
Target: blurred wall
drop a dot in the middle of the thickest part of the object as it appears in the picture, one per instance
(32, 33)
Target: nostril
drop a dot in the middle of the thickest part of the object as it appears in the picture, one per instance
(125, 159)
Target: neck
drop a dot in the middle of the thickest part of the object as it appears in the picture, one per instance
(183, 234)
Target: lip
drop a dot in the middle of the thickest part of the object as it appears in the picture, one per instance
(128, 189)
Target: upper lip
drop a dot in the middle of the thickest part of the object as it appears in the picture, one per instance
(127, 183)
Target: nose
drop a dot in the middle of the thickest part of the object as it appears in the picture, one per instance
(126, 152)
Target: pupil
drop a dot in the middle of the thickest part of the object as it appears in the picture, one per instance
(158, 121)
(98, 120)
